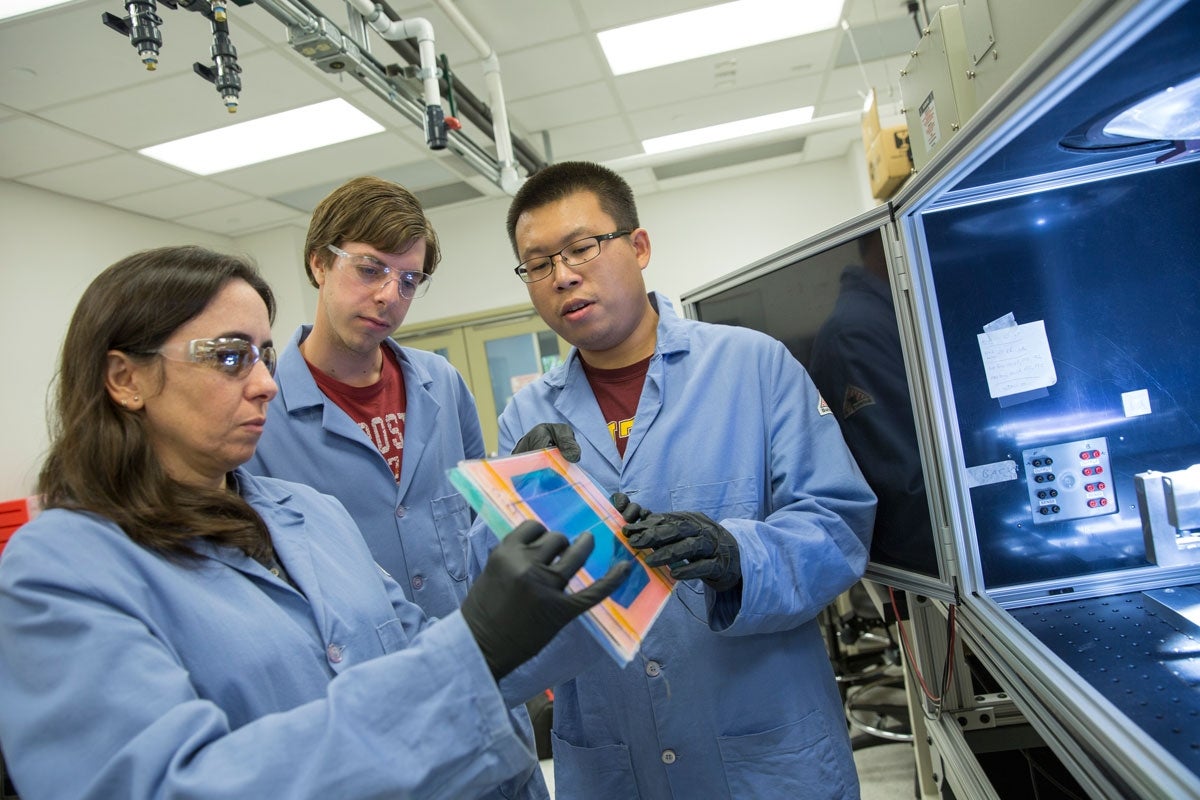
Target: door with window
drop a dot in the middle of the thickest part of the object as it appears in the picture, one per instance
(496, 354)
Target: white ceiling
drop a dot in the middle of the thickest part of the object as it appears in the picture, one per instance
(76, 103)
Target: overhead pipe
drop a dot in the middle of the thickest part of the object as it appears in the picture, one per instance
(509, 179)
(420, 29)
(470, 106)
(315, 37)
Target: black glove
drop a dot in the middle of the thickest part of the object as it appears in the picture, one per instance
(631, 511)
(518, 603)
(550, 434)
(710, 551)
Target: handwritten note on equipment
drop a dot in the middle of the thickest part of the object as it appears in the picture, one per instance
(1017, 359)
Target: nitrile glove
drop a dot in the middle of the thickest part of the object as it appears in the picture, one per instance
(550, 434)
(517, 604)
(629, 510)
(691, 544)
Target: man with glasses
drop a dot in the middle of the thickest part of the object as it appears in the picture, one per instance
(372, 423)
(731, 470)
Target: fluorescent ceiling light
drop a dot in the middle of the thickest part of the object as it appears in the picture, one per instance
(715, 29)
(15, 8)
(729, 130)
(266, 138)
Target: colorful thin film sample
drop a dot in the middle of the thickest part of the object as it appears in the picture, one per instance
(542, 485)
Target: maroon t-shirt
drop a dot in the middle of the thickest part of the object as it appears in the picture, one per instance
(378, 409)
(617, 392)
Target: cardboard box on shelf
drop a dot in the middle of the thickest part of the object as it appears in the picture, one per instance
(889, 161)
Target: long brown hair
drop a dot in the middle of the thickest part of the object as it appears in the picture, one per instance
(100, 457)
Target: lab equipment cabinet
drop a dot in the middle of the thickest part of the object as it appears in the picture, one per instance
(1050, 257)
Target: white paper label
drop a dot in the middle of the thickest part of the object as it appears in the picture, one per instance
(1017, 359)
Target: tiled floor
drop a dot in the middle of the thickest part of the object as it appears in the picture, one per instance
(887, 772)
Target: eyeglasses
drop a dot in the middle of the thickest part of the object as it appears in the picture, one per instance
(574, 254)
(232, 356)
(375, 275)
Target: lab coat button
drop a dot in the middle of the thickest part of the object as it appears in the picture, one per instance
(401, 511)
(668, 756)
(418, 582)
(653, 669)
(334, 653)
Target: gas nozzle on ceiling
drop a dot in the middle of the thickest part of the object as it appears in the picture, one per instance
(143, 27)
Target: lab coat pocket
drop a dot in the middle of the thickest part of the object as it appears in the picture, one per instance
(392, 636)
(605, 771)
(452, 518)
(793, 760)
(735, 499)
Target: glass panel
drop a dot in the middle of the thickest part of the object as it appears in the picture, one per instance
(1104, 275)
(513, 361)
(547, 345)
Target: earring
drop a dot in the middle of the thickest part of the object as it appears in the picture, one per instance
(137, 399)
(124, 404)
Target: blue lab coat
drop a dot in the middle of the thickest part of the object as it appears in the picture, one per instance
(417, 529)
(124, 674)
(729, 697)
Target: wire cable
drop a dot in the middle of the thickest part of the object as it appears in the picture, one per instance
(947, 665)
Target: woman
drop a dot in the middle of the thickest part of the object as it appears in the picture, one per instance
(172, 626)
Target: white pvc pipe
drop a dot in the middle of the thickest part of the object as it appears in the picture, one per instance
(414, 27)
(509, 179)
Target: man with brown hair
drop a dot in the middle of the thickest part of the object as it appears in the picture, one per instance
(372, 423)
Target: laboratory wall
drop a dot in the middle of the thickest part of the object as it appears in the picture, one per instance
(53, 246)
(698, 232)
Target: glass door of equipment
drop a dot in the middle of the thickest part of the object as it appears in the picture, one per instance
(504, 357)
(496, 356)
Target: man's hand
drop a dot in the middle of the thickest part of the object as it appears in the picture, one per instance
(550, 434)
(692, 544)
(629, 510)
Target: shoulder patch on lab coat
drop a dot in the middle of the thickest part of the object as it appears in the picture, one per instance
(854, 400)
(823, 407)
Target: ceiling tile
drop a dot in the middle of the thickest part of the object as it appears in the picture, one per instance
(550, 67)
(243, 218)
(581, 103)
(336, 162)
(773, 65)
(174, 202)
(510, 31)
(31, 145)
(108, 178)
